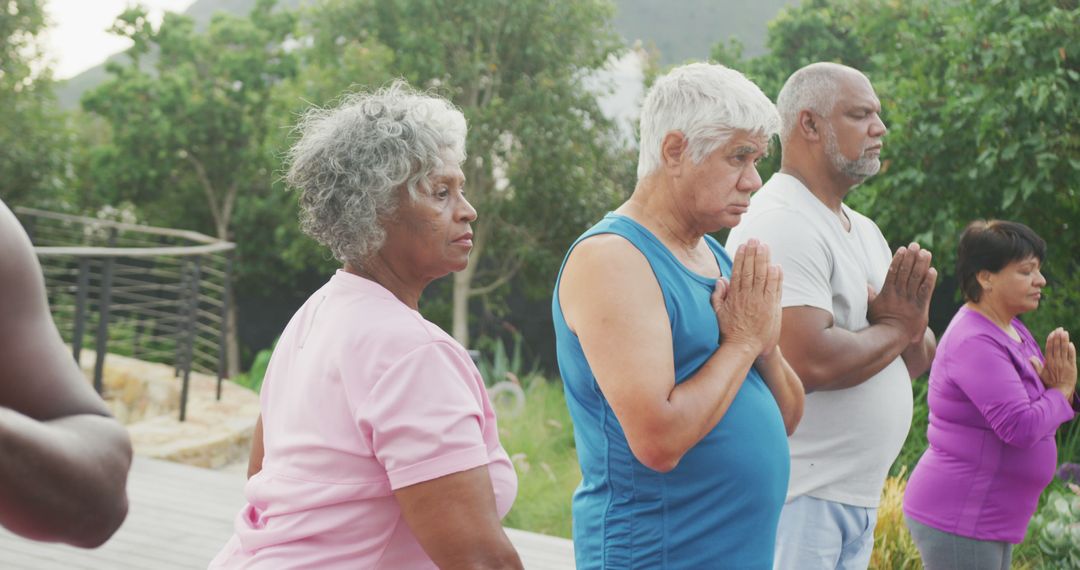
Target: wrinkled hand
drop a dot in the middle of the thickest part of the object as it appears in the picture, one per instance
(748, 307)
(904, 299)
(1059, 371)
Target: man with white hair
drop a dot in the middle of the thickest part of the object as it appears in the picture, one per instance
(681, 400)
(854, 316)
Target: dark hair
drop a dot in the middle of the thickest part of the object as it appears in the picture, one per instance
(990, 245)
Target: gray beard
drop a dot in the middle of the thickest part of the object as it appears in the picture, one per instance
(859, 169)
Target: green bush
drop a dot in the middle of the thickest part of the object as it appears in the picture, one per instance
(253, 378)
(1055, 529)
(496, 364)
(540, 442)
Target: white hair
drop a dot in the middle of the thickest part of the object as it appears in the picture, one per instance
(815, 87)
(707, 103)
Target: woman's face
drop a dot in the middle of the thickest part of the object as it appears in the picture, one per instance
(1017, 287)
(430, 236)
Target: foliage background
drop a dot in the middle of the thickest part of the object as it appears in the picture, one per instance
(980, 101)
(980, 98)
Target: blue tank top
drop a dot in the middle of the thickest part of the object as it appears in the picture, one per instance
(720, 506)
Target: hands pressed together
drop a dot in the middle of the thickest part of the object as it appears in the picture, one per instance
(1059, 370)
(748, 306)
(904, 299)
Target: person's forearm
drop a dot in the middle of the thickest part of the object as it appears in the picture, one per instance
(64, 480)
(1024, 423)
(918, 356)
(785, 386)
(496, 554)
(694, 407)
(844, 359)
(455, 521)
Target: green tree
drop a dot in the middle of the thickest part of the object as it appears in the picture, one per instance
(189, 131)
(33, 132)
(980, 99)
(541, 165)
(295, 264)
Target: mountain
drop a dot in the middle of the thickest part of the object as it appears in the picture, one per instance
(680, 31)
(69, 92)
(202, 10)
(688, 29)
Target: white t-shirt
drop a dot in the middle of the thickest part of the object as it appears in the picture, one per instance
(847, 439)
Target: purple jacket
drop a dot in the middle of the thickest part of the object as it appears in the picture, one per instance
(992, 425)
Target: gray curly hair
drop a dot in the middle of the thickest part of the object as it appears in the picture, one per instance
(350, 161)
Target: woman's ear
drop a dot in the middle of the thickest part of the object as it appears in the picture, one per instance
(985, 279)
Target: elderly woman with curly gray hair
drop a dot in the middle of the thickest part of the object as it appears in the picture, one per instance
(377, 446)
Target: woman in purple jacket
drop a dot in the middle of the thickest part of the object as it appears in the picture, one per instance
(995, 404)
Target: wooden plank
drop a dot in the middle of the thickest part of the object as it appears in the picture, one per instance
(181, 516)
(542, 552)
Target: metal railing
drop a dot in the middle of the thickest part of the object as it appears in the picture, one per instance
(156, 294)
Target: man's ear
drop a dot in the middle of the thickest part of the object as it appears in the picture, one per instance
(673, 150)
(809, 125)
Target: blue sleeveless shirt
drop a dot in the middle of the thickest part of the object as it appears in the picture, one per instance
(720, 506)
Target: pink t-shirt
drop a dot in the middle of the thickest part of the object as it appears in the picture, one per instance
(362, 396)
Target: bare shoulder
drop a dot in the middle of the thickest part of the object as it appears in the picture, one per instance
(604, 253)
(606, 270)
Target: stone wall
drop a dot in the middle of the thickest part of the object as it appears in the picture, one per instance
(145, 396)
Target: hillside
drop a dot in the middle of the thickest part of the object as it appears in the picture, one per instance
(69, 92)
(688, 29)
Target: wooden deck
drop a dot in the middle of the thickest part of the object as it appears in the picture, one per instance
(180, 517)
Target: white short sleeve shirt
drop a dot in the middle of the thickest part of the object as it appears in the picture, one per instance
(847, 439)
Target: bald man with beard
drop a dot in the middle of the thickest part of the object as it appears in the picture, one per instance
(854, 324)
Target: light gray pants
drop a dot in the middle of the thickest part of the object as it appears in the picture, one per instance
(946, 551)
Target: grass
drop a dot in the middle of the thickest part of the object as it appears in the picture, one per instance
(540, 441)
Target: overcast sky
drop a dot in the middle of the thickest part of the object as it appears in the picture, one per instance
(77, 38)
